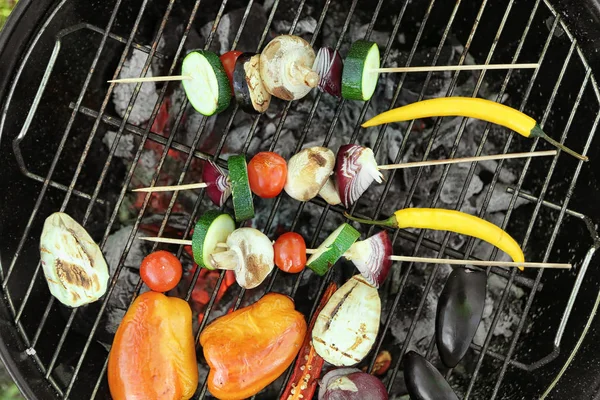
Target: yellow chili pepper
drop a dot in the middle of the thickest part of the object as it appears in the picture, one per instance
(483, 109)
(455, 221)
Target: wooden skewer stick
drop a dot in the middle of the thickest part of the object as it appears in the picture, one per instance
(382, 167)
(437, 68)
(469, 159)
(426, 260)
(152, 79)
(198, 185)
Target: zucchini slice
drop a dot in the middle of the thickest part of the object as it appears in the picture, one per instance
(243, 206)
(208, 91)
(250, 93)
(332, 249)
(358, 81)
(212, 227)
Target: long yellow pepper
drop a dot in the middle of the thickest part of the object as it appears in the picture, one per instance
(483, 109)
(455, 221)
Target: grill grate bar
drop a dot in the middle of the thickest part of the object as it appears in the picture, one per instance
(538, 206)
(508, 214)
(59, 150)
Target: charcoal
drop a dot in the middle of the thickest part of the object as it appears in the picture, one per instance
(122, 93)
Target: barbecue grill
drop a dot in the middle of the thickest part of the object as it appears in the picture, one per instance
(57, 108)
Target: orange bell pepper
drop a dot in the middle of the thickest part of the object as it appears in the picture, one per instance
(153, 355)
(251, 347)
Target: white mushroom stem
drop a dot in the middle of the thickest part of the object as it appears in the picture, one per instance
(310, 77)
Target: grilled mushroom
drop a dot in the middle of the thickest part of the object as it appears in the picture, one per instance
(308, 171)
(73, 264)
(250, 255)
(286, 67)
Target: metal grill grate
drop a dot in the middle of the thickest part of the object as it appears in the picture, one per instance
(573, 58)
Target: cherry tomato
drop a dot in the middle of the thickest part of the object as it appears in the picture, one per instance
(161, 271)
(228, 60)
(267, 173)
(290, 252)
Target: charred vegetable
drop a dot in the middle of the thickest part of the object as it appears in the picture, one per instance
(209, 90)
(372, 257)
(249, 255)
(308, 172)
(307, 369)
(251, 347)
(351, 384)
(212, 228)
(355, 170)
(285, 67)
(153, 355)
(347, 327)
(424, 381)
(248, 87)
(328, 64)
(459, 312)
(332, 249)
(73, 264)
(219, 188)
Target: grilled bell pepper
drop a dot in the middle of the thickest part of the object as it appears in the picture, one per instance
(153, 355)
(308, 365)
(455, 221)
(251, 347)
(483, 109)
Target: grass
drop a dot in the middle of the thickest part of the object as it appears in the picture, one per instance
(8, 390)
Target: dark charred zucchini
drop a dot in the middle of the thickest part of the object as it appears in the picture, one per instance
(459, 311)
(248, 88)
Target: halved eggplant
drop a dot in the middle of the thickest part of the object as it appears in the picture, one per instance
(250, 93)
(459, 312)
(424, 381)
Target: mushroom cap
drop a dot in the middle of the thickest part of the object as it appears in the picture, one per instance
(255, 256)
(308, 171)
(286, 67)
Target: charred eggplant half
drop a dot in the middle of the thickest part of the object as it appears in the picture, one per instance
(250, 93)
(459, 312)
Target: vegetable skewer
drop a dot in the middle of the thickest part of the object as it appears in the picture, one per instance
(483, 109)
(492, 157)
(423, 68)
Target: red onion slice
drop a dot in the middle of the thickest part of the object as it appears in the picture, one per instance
(328, 64)
(355, 170)
(372, 257)
(351, 384)
(219, 188)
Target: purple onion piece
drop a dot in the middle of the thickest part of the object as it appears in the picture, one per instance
(372, 257)
(328, 64)
(355, 170)
(219, 188)
(351, 384)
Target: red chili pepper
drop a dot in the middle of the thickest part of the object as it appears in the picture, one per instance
(303, 382)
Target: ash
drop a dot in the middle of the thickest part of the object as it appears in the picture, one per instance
(425, 182)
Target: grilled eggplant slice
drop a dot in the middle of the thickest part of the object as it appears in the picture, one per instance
(347, 326)
(250, 93)
(73, 264)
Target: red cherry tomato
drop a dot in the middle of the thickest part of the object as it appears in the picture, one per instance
(161, 271)
(228, 60)
(290, 252)
(267, 173)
